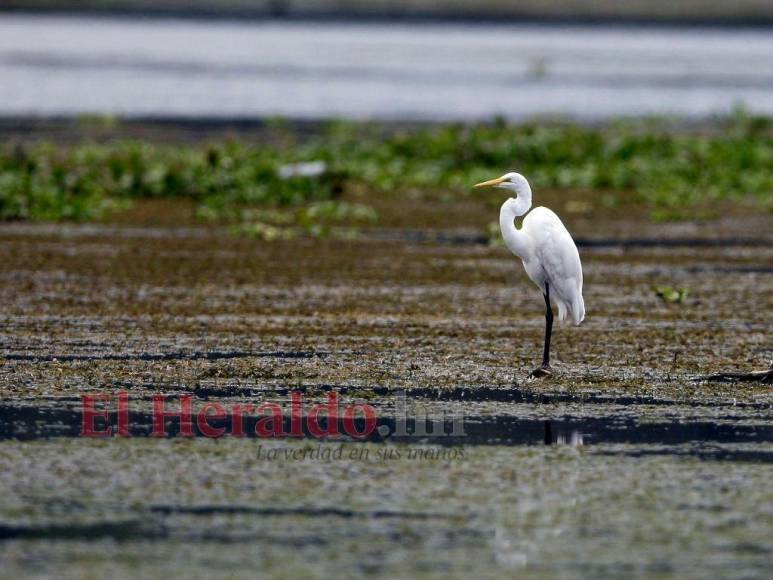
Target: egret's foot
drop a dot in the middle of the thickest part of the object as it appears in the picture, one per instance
(541, 371)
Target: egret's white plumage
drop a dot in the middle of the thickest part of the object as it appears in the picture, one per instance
(549, 254)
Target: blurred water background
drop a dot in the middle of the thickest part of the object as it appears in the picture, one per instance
(70, 64)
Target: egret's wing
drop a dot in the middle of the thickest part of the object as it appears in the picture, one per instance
(557, 253)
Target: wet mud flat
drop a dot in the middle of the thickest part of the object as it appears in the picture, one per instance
(625, 461)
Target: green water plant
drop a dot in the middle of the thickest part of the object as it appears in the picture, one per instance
(676, 173)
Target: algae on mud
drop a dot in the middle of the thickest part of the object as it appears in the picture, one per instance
(396, 313)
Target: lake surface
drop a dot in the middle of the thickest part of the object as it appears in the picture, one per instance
(57, 65)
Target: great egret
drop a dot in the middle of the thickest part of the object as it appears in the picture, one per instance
(549, 255)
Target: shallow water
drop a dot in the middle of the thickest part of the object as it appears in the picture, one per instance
(179, 507)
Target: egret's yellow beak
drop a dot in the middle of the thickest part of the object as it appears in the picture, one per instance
(491, 182)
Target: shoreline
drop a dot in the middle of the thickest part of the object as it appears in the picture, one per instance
(77, 128)
(762, 21)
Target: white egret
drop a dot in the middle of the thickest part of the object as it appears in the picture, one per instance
(548, 252)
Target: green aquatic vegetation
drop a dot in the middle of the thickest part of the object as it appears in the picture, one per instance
(671, 171)
(263, 231)
(671, 295)
(318, 219)
(51, 183)
(334, 212)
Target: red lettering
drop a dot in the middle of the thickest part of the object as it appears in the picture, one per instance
(369, 414)
(237, 418)
(271, 426)
(123, 414)
(88, 414)
(203, 420)
(296, 414)
(185, 414)
(332, 418)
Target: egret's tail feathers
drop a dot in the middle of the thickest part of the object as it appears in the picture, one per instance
(572, 308)
(578, 310)
(561, 310)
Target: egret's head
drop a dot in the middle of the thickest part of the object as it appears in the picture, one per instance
(512, 181)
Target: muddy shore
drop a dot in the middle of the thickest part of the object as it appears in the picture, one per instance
(648, 468)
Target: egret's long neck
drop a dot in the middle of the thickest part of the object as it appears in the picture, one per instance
(516, 241)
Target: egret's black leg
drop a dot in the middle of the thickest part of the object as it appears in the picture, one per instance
(544, 369)
(548, 328)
